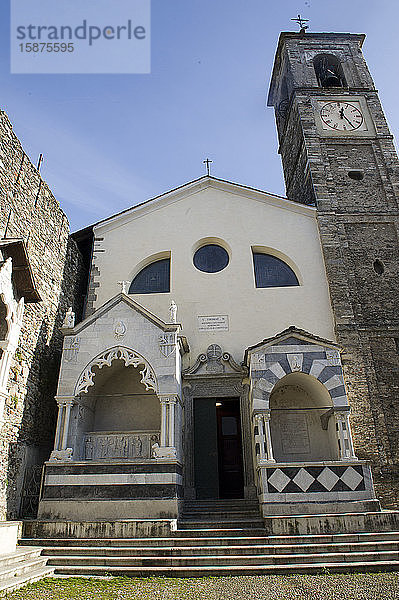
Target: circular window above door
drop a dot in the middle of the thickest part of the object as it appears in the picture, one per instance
(211, 258)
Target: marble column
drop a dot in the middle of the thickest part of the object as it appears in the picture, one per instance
(172, 422)
(259, 424)
(262, 421)
(344, 434)
(164, 421)
(167, 448)
(61, 452)
(58, 431)
(268, 436)
(68, 407)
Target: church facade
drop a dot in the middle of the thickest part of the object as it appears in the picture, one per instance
(241, 345)
(234, 344)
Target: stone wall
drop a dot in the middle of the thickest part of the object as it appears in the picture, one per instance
(28, 210)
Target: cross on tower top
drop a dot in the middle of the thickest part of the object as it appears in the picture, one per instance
(301, 22)
(208, 162)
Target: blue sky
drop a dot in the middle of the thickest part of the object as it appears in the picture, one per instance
(112, 141)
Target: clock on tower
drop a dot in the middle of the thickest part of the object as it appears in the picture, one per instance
(338, 154)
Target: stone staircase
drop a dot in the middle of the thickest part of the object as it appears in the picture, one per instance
(221, 514)
(229, 538)
(23, 566)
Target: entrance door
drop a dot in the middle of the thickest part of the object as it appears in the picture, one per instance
(217, 448)
(231, 481)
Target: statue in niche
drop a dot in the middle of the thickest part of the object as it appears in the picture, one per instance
(117, 447)
(69, 321)
(125, 447)
(139, 447)
(89, 449)
(111, 446)
(103, 447)
(154, 440)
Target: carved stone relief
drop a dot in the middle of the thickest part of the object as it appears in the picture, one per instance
(214, 361)
(129, 357)
(120, 445)
(119, 330)
(167, 343)
(71, 349)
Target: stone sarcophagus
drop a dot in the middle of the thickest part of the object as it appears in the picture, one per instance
(111, 445)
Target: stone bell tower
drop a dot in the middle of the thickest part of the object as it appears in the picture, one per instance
(338, 154)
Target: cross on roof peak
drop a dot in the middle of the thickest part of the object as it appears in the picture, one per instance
(301, 22)
(208, 163)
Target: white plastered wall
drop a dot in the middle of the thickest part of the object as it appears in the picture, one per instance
(241, 219)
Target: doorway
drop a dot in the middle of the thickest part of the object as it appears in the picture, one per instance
(218, 465)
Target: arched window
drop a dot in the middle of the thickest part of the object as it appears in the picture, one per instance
(329, 71)
(152, 279)
(271, 271)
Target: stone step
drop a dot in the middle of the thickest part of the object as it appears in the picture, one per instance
(15, 581)
(231, 561)
(213, 570)
(202, 540)
(217, 516)
(218, 524)
(19, 555)
(313, 524)
(213, 530)
(222, 501)
(220, 507)
(21, 567)
(243, 550)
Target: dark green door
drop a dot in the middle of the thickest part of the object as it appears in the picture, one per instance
(217, 448)
(231, 480)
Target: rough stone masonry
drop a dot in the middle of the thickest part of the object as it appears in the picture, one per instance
(359, 231)
(28, 210)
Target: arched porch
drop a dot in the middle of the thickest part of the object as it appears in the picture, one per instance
(305, 459)
(117, 417)
(116, 412)
(301, 426)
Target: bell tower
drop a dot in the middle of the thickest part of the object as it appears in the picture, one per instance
(338, 155)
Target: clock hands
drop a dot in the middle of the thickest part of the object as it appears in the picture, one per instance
(334, 116)
(343, 116)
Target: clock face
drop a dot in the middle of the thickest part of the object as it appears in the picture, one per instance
(341, 116)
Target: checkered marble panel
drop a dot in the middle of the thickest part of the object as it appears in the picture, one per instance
(314, 479)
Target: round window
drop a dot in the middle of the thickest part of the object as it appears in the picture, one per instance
(211, 258)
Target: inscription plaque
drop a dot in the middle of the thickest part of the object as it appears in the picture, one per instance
(294, 434)
(213, 323)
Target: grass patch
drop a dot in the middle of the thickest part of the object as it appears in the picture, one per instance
(354, 586)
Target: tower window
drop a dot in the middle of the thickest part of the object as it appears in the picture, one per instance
(152, 279)
(378, 267)
(329, 71)
(271, 271)
(356, 175)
